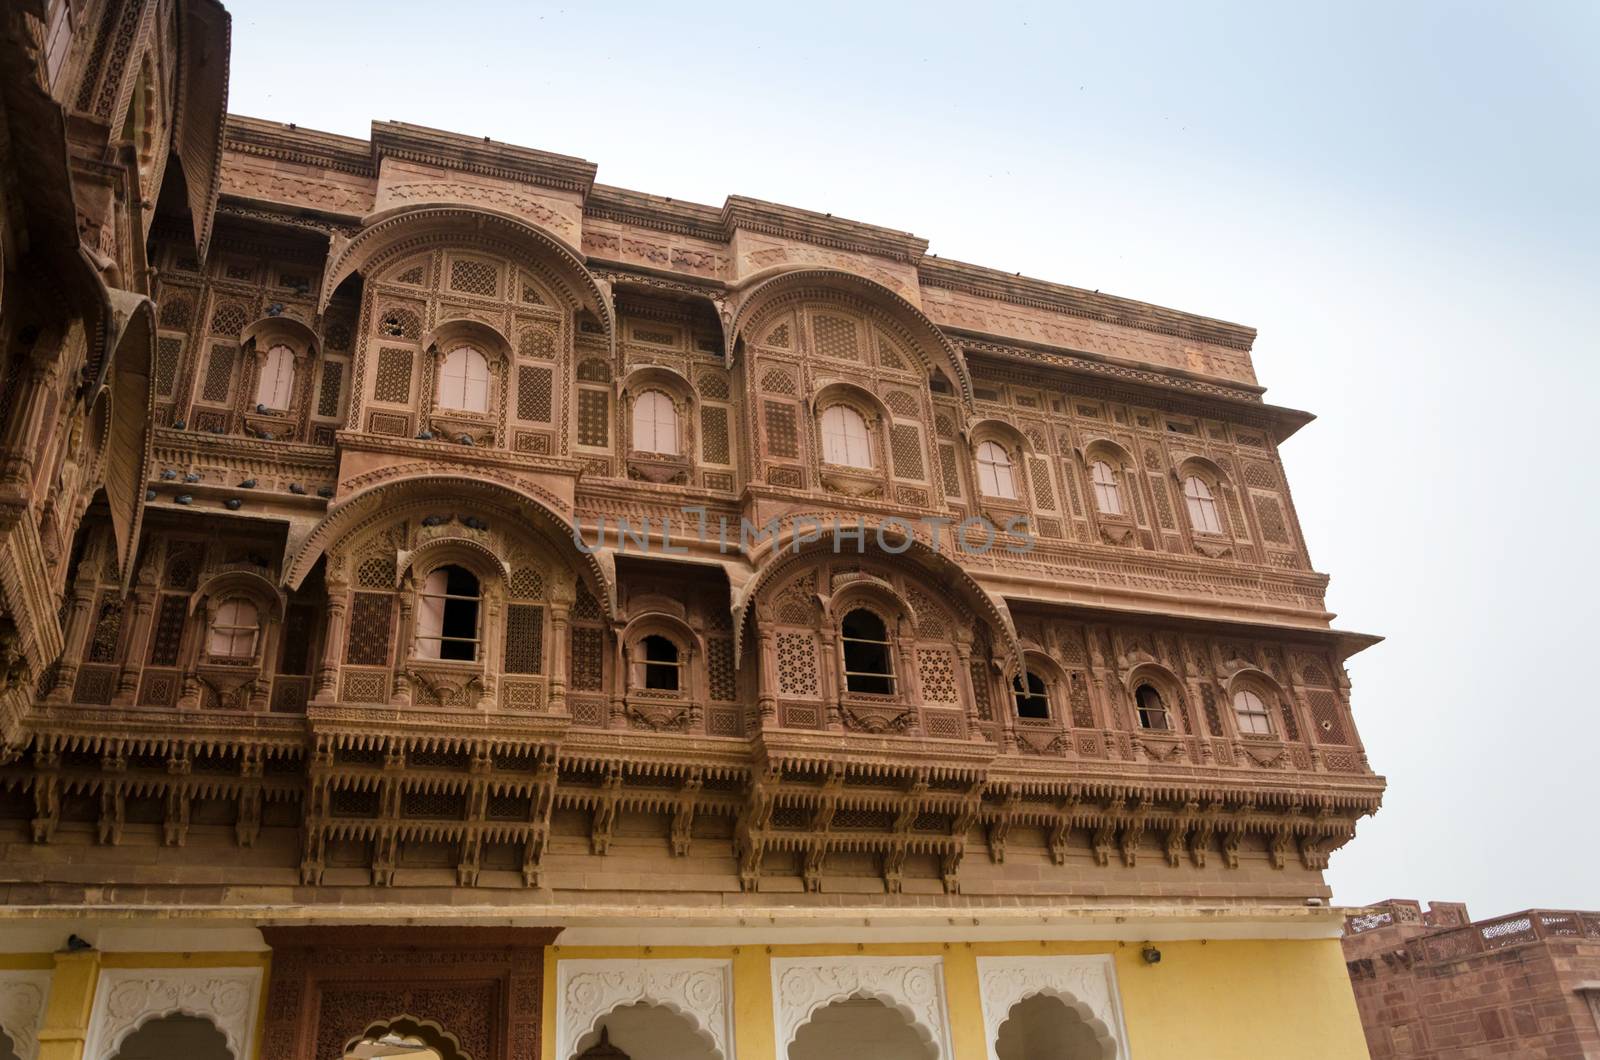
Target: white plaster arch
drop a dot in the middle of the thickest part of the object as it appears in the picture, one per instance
(22, 998)
(127, 998)
(1087, 984)
(912, 986)
(700, 990)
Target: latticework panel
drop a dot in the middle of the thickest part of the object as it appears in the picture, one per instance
(1270, 516)
(947, 471)
(719, 669)
(219, 373)
(782, 437)
(376, 572)
(107, 630)
(588, 649)
(594, 370)
(714, 385)
(901, 403)
(1078, 699)
(394, 375)
(936, 670)
(1163, 503)
(714, 447)
(474, 277)
(537, 341)
(836, 338)
(1328, 717)
(797, 664)
(889, 356)
(169, 351)
(533, 393)
(524, 639)
(229, 318)
(1044, 492)
(980, 690)
(370, 615)
(167, 636)
(594, 420)
(527, 583)
(777, 381)
(177, 313)
(905, 442)
(328, 394)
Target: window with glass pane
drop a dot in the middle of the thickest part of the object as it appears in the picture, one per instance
(1252, 713)
(845, 440)
(275, 388)
(234, 628)
(657, 664)
(1202, 508)
(447, 615)
(1032, 697)
(464, 380)
(1107, 497)
(1152, 709)
(655, 423)
(868, 664)
(995, 477)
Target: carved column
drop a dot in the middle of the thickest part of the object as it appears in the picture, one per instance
(767, 701)
(832, 683)
(189, 697)
(559, 649)
(400, 693)
(906, 687)
(966, 691)
(128, 679)
(77, 632)
(1005, 712)
(489, 645)
(332, 644)
(619, 680)
(26, 400)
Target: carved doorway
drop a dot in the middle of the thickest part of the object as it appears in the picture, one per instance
(386, 993)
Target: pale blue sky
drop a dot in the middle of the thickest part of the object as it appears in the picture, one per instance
(1400, 197)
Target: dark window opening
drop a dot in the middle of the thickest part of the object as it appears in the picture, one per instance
(1152, 710)
(867, 665)
(447, 619)
(1033, 700)
(661, 665)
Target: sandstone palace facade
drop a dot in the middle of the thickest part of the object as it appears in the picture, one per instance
(451, 601)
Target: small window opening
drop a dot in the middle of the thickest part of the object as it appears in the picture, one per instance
(867, 664)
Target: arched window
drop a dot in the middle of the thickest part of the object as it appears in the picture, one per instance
(845, 440)
(1152, 709)
(1033, 698)
(868, 665)
(464, 380)
(234, 629)
(1202, 508)
(447, 615)
(655, 423)
(1252, 713)
(657, 664)
(1107, 497)
(275, 388)
(995, 478)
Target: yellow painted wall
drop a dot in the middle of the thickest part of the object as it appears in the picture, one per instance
(1274, 1000)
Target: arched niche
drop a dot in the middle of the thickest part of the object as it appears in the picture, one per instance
(1084, 984)
(698, 991)
(409, 229)
(912, 988)
(435, 1042)
(643, 1030)
(915, 331)
(860, 1026)
(175, 1035)
(269, 331)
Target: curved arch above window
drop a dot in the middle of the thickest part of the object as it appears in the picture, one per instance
(235, 628)
(447, 614)
(1107, 493)
(996, 472)
(464, 380)
(846, 439)
(275, 384)
(868, 653)
(655, 423)
(1202, 506)
(1251, 712)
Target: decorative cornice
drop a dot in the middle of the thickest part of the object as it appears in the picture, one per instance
(822, 229)
(490, 158)
(654, 211)
(306, 147)
(1074, 301)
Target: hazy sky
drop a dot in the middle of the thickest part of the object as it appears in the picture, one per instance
(1402, 198)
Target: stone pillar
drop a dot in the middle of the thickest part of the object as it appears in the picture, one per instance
(77, 632)
(560, 650)
(18, 448)
(767, 700)
(831, 673)
(65, 1026)
(619, 681)
(332, 645)
(133, 657)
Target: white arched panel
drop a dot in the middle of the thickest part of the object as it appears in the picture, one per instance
(128, 998)
(1086, 984)
(913, 986)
